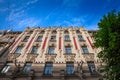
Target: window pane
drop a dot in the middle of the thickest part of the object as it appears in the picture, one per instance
(48, 69)
(39, 38)
(18, 50)
(34, 49)
(77, 31)
(53, 37)
(68, 50)
(51, 50)
(26, 38)
(70, 68)
(6, 68)
(91, 67)
(85, 50)
(66, 32)
(42, 32)
(80, 37)
(67, 38)
(27, 68)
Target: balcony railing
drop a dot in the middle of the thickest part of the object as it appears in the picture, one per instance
(12, 56)
(69, 57)
(31, 57)
(50, 57)
(89, 56)
(6, 40)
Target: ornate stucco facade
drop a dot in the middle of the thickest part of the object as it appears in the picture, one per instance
(51, 54)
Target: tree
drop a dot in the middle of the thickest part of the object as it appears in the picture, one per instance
(108, 39)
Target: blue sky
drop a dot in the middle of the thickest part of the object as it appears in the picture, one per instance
(18, 14)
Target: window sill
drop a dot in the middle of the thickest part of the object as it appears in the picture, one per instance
(69, 53)
(82, 40)
(38, 41)
(67, 40)
(53, 40)
(51, 54)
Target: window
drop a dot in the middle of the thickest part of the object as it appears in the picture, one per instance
(66, 32)
(77, 31)
(91, 67)
(48, 69)
(30, 32)
(26, 38)
(42, 32)
(27, 68)
(54, 32)
(66, 38)
(34, 49)
(80, 38)
(70, 68)
(5, 68)
(1, 47)
(53, 38)
(68, 50)
(85, 50)
(18, 50)
(51, 50)
(39, 38)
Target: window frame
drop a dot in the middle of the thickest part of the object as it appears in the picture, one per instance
(34, 52)
(70, 70)
(53, 38)
(26, 38)
(66, 32)
(91, 67)
(39, 38)
(77, 31)
(18, 52)
(5, 68)
(26, 66)
(80, 37)
(51, 48)
(48, 68)
(42, 32)
(67, 38)
(85, 49)
(68, 50)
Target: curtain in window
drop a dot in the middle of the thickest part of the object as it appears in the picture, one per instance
(70, 68)
(27, 68)
(48, 69)
(68, 50)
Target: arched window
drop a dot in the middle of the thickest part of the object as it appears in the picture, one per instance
(66, 32)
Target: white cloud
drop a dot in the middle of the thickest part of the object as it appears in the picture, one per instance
(3, 9)
(76, 21)
(18, 15)
(92, 27)
(29, 22)
(14, 15)
(31, 2)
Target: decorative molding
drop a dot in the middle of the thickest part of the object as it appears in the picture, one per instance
(69, 57)
(89, 56)
(31, 57)
(50, 57)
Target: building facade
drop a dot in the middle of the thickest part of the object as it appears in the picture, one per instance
(51, 54)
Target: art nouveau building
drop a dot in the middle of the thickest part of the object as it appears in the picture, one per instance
(51, 54)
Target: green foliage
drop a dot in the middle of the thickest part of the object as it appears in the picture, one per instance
(108, 39)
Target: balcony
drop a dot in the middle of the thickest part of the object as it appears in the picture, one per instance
(12, 56)
(53, 40)
(50, 57)
(69, 57)
(6, 40)
(31, 57)
(89, 56)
